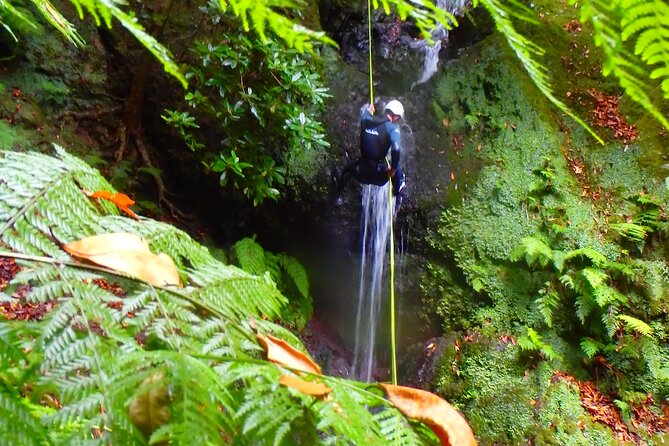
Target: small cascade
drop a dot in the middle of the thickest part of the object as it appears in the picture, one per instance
(375, 227)
(439, 34)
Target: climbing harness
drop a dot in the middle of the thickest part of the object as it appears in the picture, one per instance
(393, 352)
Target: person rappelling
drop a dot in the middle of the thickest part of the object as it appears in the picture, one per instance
(378, 136)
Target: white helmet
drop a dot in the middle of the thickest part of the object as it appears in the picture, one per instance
(396, 108)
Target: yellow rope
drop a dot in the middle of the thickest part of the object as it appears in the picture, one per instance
(369, 37)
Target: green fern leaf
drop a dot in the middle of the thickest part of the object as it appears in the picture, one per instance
(534, 250)
(636, 324)
(296, 272)
(614, 22)
(597, 258)
(17, 424)
(251, 256)
(631, 231)
(590, 347)
(546, 304)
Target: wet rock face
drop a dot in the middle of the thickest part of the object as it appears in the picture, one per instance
(393, 57)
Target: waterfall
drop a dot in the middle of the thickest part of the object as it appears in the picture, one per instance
(455, 7)
(375, 228)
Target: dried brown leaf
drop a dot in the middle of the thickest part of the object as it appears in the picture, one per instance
(127, 253)
(282, 353)
(451, 427)
(306, 387)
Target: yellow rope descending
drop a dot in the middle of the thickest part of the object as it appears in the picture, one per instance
(369, 37)
(393, 352)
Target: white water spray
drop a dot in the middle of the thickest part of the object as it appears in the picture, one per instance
(439, 34)
(375, 227)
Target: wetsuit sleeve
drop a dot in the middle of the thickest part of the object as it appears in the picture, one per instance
(365, 116)
(395, 147)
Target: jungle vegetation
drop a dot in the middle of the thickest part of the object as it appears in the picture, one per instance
(543, 284)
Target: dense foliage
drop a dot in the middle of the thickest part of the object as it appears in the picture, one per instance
(632, 34)
(556, 264)
(117, 360)
(253, 111)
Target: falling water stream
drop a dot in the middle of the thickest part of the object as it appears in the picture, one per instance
(375, 227)
(373, 287)
(439, 34)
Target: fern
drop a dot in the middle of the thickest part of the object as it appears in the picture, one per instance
(546, 304)
(104, 356)
(533, 342)
(286, 271)
(597, 258)
(614, 22)
(636, 324)
(533, 250)
(250, 255)
(632, 231)
(591, 347)
(296, 272)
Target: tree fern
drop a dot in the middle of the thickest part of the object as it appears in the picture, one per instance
(190, 352)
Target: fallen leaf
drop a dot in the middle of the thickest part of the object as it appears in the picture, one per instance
(280, 352)
(451, 427)
(306, 387)
(106, 243)
(127, 253)
(121, 200)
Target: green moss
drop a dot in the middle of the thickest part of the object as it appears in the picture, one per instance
(507, 402)
(515, 167)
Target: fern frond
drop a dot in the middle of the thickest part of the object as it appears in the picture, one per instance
(610, 20)
(610, 320)
(594, 277)
(636, 324)
(649, 21)
(250, 255)
(605, 295)
(56, 19)
(17, 424)
(584, 306)
(632, 231)
(395, 429)
(590, 347)
(296, 272)
(533, 342)
(621, 269)
(596, 257)
(546, 304)
(534, 250)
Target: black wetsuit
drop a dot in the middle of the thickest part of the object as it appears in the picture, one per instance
(377, 136)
